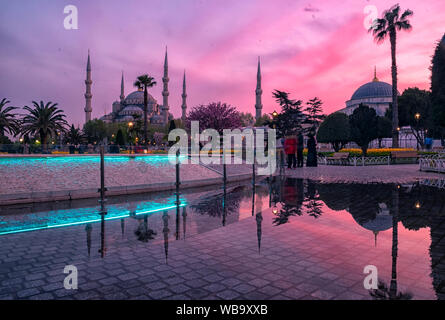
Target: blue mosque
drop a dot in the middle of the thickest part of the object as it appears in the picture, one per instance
(131, 107)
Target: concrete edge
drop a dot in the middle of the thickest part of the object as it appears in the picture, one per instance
(46, 196)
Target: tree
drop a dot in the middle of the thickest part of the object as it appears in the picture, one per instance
(314, 113)
(384, 129)
(335, 130)
(247, 119)
(415, 111)
(363, 124)
(262, 121)
(172, 126)
(289, 121)
(388, 26)
(46, 120)
(215, 115)
(74, 136)
(438, 88)
(8, 123)
(95, 131)
(144, 82)
(120, 139)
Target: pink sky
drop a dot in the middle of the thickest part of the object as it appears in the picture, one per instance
(308, 48)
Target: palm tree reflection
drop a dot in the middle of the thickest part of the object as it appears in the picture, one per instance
(383, 292)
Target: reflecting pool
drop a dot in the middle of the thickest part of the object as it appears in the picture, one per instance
(281, 239)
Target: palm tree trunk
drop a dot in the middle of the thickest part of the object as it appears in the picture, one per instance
(145, 115)
(395, 108)
(395, 236)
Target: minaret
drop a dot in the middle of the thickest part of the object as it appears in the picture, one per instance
(88, 94)
(184, 100)
(258, 93)
(165, 93)
(122, 96)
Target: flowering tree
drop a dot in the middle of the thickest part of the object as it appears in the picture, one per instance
(215, 115)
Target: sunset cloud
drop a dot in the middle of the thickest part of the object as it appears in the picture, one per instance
(308, 48)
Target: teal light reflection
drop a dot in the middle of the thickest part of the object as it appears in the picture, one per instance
(111, 215)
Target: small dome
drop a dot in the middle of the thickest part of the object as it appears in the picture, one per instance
(157, 119)
(126, 119)
(131, 110)
(137, 97)
(374, 89)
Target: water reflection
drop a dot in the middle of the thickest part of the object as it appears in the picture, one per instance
(377, 209)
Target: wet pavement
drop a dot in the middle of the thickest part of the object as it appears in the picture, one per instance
(291, 239)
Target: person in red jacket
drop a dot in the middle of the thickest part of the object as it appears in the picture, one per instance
(290, 148)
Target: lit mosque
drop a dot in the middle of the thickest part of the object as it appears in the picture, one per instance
(131, 107)
(375, 94)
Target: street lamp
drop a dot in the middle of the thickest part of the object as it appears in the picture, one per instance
(417, 117)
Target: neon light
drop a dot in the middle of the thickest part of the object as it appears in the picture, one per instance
(60, 225)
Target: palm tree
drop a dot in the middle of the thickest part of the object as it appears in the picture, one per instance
(46, 120)
(8, 123)
(74, 136)
(388, 25)
(145, 81)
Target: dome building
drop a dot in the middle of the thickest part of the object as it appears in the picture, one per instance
(131, 107)
(375, 94)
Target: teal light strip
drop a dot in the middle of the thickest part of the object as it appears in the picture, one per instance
(90, 221)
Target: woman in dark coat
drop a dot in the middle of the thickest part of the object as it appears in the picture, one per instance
(311, 152)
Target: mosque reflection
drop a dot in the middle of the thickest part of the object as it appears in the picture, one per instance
(375, 207)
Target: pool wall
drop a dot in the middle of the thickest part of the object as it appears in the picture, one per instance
(28, 179)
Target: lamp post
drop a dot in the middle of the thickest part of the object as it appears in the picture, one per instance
(130, 127)
(417, 117)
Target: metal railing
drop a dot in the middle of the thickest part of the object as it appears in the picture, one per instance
(431, 164)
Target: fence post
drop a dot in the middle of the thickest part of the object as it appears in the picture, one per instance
(103, 211)
(253, 168)
(178, 179)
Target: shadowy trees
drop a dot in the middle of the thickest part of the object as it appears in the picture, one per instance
(438, 89)
(335, 130)
(363, 123)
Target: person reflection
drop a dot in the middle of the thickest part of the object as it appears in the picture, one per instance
(313, 203)
(142, 232)
(292, 195)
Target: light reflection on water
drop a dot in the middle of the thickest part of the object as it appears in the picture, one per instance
(398, 228)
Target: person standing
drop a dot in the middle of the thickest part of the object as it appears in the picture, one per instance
(290, 147)
(300, 147)
(311, 151)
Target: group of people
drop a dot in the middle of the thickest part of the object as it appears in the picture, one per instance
(293, 148)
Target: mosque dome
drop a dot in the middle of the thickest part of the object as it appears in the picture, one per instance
(374, 89)
(137, 97)
(157, 119)
(131, 110)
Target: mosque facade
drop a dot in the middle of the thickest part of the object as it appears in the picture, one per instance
(129, 108)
